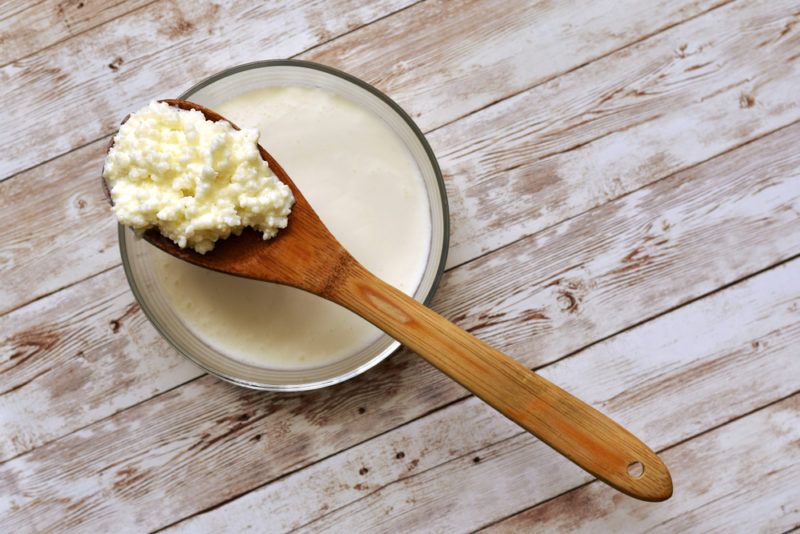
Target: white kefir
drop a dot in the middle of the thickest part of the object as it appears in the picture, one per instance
(362, 181)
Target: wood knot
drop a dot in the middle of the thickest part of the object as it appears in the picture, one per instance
(746, 101)
(117, 323)
(30, 343)
(567, 302)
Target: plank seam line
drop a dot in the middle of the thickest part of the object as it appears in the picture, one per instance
(159, 394)
(62, 288)
(126, 13)
(628, 193)
(660, 451)
(466, 397)
(23, 171)
(582, 144)
(298, 469)
(460, 117)
(60, 41)
(401, 479)
(24, 9)
(25, 382)
(586, 63)
(695, 509)
(58, 156)
(676, 307)
(348, 32)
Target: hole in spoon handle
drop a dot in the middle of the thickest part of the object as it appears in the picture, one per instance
(635, 469)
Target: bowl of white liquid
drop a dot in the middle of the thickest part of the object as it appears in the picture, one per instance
(366, 169)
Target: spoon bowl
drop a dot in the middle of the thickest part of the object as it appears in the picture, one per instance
(307, 256)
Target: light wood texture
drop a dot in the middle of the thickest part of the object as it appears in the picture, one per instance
(305, 255)
(757, 492)
(95, 350)
(182, 437)
(666, 103)
(111, 436)
(516, 282)
(194, 42)
(176, 449)
(517, 470)
(438, 469)
(475, 162)
(32, 263)
(29, 26)
(157, 51)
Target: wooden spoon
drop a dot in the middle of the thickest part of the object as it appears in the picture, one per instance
(307, 256)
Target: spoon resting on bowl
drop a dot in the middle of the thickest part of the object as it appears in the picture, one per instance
(307, 256)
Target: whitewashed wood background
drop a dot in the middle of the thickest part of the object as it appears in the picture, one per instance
(624, 180)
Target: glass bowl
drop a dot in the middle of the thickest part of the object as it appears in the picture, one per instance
(228, 84)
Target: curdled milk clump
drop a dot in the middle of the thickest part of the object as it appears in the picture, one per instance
(196, 180)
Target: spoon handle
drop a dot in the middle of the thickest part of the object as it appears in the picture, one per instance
(581, 433)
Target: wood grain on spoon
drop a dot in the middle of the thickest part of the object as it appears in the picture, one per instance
(307, 256)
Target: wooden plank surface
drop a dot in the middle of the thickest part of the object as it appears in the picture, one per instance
(666, 103)
(82, 87)
(756, 466)
(95, 354)
(656, 237)
(187, 438)
(437, 468)
(29, 26)
(625, 202)
(551, 185)
(32, 263)
(466, 55)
